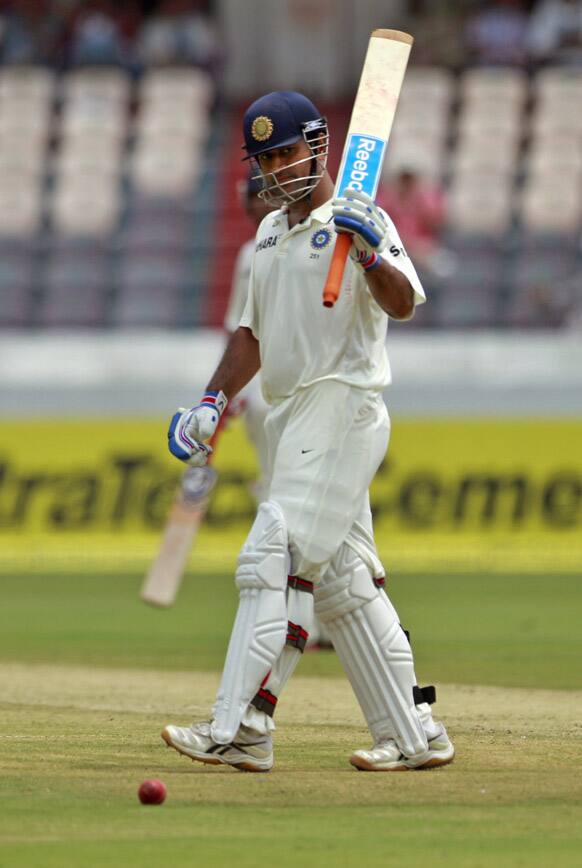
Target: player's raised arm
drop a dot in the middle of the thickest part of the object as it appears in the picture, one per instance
(368, 133)
(357, 214)
(190, 430)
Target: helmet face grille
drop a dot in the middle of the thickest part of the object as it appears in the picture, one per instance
(278, 192)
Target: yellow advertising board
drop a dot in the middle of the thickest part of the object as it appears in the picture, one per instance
(454, 494)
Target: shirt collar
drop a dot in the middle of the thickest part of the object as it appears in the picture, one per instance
(324, 213)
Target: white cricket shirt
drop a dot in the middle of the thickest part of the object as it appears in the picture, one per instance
(240, 285)
(301, 341)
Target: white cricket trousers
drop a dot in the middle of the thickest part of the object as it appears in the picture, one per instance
(325, 444)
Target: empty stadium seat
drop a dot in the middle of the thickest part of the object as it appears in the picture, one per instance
(160, 173)
(566, 176)
(75, 290)
(88, 121)
(494, 87)
(16, 289)
(193, 125)
(26, 119)
(82, 305)
(482, 210)
(421, 135)
(29, 167)
(98, 84)
(480, 130)
(486, 130)
(422, 157)
(182, 85)
(26, 84)
(96, 161)
(90, 209)
(470, 296)
(547, 153)
(543, 264)
(483, 176)
(561, 84)
(547, 123)
(547, 207)
(472, 158)
(20, 207)
(143, 233)
(412, 127)
(542, 276)
(28, 148)
(150, 291)
(429, 85)
(163, 143)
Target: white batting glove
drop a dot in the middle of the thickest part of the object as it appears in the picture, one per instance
(189, 429)
(358, 214)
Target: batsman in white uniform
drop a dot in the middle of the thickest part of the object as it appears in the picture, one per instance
(323, 372)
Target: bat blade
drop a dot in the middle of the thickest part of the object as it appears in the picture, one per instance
(369, 131)
(164, 578)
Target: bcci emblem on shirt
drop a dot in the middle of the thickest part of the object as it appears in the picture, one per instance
(320, 239)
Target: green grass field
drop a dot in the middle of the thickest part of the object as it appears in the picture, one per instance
(90, 675)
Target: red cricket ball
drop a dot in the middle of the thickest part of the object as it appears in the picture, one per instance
(152, 792)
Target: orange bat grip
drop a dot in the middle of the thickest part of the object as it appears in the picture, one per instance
(213, 440)
(333, 282)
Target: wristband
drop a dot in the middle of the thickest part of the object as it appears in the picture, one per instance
(372, 262)
(215, 401)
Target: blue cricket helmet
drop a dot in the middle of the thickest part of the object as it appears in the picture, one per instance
(276, 120)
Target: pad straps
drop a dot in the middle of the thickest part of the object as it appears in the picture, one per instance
(265, 699)
(424, 694)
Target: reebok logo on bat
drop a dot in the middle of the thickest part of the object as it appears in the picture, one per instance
(359, 172)
(363, 161)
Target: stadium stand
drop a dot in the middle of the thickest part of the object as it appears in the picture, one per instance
(118, 191)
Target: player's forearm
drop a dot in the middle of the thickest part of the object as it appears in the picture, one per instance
(239, 364)
(392, 290)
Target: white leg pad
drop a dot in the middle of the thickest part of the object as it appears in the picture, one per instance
(373, 650)
(259, 715)
(260, 626)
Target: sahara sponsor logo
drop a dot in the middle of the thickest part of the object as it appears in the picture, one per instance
(265, 243)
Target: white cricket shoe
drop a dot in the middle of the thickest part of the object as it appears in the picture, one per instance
(249, 752)
(386, 756)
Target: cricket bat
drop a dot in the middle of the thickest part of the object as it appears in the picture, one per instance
(164, 578)
(368, 133)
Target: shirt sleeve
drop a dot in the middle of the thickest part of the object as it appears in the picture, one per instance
(395, 254)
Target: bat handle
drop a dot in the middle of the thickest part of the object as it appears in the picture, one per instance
(333, 282)
(218, 431)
